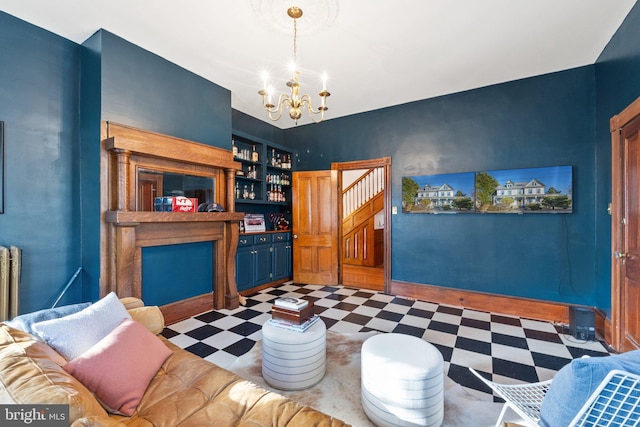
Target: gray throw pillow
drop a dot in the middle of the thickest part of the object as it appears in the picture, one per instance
(25, 321)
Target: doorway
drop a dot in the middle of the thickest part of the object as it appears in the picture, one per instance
(363, 215)
(625, 243)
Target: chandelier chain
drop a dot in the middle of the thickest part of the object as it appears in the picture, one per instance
(295, 45)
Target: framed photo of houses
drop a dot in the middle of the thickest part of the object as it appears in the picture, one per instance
(434, 194)
(509, 191)
(533, 190)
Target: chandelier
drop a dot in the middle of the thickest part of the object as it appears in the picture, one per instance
(294, 102)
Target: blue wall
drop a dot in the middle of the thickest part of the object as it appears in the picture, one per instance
(143, 90)
(543, 121)
(39, 89)
(257, 128)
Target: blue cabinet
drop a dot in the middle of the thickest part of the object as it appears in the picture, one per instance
(263, 258)
(244, 263)
(281, 256)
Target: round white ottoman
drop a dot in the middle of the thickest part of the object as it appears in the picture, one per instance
(293, 360)
(402, 379)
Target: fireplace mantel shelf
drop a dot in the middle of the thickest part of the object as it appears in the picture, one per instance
(132, 217)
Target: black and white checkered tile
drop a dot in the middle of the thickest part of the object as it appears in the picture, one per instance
(504, 348)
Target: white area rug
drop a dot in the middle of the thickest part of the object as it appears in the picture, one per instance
(338, 393)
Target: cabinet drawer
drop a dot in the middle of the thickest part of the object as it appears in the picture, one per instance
(245, 241)
(281, 237)
(261, 239)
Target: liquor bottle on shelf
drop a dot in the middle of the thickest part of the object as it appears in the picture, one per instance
(237, 190)
(245, 192)
(254, 155)
(252, 193)
(234, 148)
(273, 157)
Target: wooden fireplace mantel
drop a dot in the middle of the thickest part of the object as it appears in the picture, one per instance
(126, 231)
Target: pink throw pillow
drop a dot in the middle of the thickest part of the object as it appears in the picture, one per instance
(119, 367)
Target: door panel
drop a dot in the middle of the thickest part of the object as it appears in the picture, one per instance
(625, 228)
(631, 263)
(315, 227)
(263, 264)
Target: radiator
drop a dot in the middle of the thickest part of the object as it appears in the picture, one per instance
(10, 267)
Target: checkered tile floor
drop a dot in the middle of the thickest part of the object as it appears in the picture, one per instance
(506, 349)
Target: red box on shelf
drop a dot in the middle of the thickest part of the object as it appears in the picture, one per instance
(184, 204)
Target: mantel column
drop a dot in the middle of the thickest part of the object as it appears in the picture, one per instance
(124, 157)
(231, 193)
(128, 261)
(232, 235)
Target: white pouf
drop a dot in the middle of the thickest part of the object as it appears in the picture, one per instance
(293, 360)
(402, 379)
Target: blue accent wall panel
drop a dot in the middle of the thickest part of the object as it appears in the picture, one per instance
(39, 90)
(175, 272)
(143, 90)
(89, 155)
(617, 86)
(547, 120)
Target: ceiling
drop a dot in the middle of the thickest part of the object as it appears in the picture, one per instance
(376, 53)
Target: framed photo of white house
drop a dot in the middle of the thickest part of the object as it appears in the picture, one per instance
(439, 194)
(533, 190)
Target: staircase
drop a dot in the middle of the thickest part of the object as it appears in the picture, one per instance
(362, 243)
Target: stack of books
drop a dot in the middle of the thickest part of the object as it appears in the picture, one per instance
(293, 313)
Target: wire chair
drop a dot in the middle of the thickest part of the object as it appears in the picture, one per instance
(524, 399)
(615, 403)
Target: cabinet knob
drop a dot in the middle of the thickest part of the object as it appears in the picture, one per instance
(295, 236)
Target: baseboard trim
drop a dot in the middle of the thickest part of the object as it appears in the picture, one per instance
(183, 309)
(515, 306)
(265, 286)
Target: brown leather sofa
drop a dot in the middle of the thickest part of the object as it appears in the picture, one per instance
(186, 391)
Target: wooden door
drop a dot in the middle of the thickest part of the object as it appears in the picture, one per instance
(315, 227)
(625, 129)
